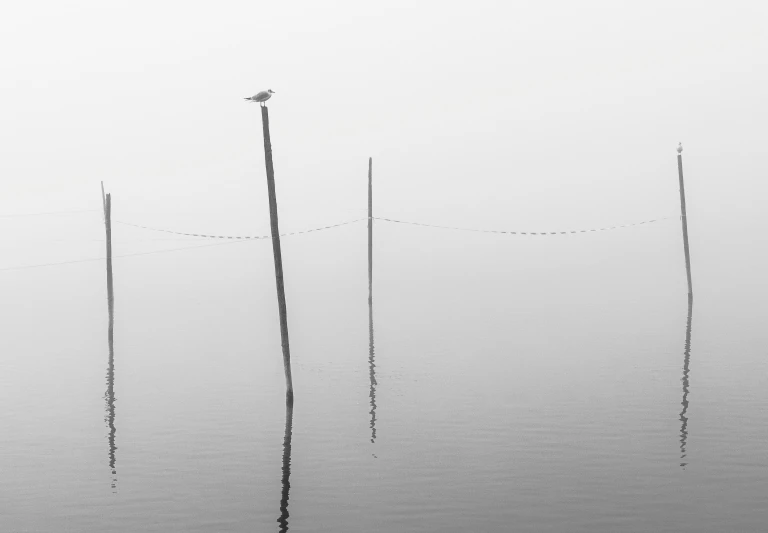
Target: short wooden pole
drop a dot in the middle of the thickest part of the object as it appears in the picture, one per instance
(277, 253)
(108, 226)
(684, 218)
(370, 229)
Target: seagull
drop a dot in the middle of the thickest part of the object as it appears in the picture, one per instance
(262, 97)
(679, 145)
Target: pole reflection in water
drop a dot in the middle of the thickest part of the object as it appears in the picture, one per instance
(686, 383)
(372, 371)
(283, 520)
(110, 398)
(110, 394)
(371, 358)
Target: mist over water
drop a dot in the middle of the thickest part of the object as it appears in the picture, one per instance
(471, 381)
(515, 383)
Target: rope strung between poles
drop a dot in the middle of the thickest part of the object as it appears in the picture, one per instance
(256, 237)
(526, 232)
(235, 239)
(243, 237)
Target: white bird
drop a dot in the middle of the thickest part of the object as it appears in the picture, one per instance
(679, 148)
(262, 97)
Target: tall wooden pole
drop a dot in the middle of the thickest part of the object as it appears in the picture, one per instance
(684, 218)
(277, 254)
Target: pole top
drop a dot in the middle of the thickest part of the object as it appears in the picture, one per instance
(679, 148)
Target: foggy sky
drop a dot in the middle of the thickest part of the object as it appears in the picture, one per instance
(523, 115)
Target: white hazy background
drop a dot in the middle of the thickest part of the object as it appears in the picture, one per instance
(528, 377)
(526, 116)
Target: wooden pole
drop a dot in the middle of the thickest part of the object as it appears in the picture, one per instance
(277, 254)
(684, 218)
(370, 229)
(108, 226)
(371, 357)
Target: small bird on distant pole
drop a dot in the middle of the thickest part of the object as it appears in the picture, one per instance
(261, 97)
(679, 146)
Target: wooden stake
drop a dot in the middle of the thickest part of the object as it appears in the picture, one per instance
(108, 226)
(370, 229)
(277, 254)
(684, 218)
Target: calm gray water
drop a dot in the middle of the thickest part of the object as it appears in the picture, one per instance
(516, 384)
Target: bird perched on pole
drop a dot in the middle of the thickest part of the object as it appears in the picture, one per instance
(261, 97)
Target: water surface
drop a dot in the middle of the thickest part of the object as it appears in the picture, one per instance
(496, 383)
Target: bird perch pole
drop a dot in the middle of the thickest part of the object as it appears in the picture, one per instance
(684, 219)
(277, 254)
